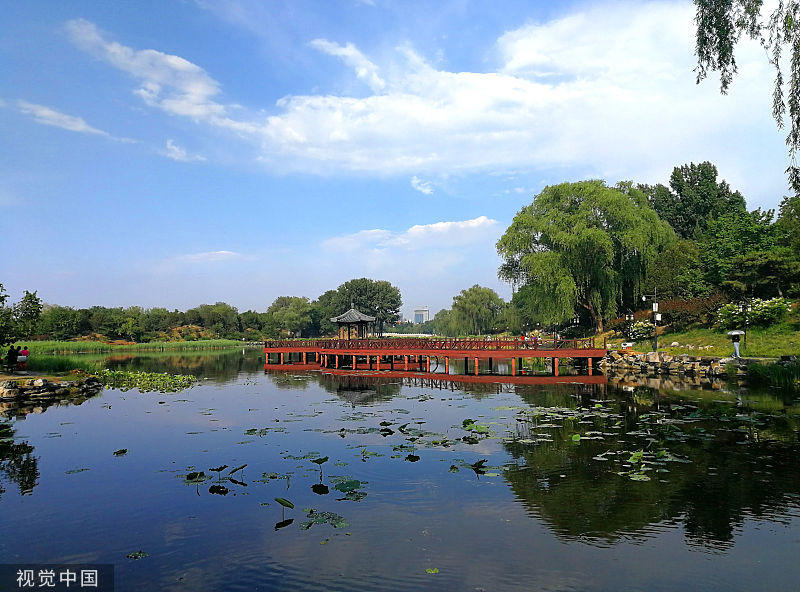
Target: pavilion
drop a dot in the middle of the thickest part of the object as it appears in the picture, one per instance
(353, 324)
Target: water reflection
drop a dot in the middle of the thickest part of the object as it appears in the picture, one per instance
(17, 463)
(569, 473)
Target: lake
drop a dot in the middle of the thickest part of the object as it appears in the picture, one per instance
(418, 484)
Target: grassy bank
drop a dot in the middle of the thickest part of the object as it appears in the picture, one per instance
(98, 347)
(770, 342)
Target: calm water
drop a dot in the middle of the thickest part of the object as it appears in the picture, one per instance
(548, 487)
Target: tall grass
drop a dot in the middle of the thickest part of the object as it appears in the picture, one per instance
(96, 347)
(55, 364)
(783, 375)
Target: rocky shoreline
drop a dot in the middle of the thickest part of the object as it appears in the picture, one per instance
(20, 397)
(662, 363)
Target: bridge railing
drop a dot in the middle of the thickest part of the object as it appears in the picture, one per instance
(443, 344)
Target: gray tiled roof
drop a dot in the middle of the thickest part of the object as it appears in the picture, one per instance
(352, 316)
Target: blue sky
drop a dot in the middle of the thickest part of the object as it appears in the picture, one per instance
(172, 153)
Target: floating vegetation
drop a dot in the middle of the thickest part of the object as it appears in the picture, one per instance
(137, 555)
(121, 452)
(432, 570)
(314, 517)
(73, 471)
(159, 382)
(284, 502)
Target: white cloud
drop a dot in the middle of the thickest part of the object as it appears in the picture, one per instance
(441, 235)
(175, 152)
(606, 91)
(209, 257)
(365, 69)
(48, 116)
(422, 186)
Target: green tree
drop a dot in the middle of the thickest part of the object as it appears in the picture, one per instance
(61, 322)
(476, 311)
(764, 274)
(695, 198)
(788, 224)
(27, 313)
(376, 298)
(292, 314)
(6, 319)
(581, 247)
(677, 272)
(720, 26)
(734, 235)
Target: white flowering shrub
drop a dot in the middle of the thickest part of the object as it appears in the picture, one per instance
(763, 313)
(639, 330)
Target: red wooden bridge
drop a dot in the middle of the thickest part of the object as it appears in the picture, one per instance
(414, 353)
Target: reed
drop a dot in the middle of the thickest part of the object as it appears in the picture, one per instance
(96, 347)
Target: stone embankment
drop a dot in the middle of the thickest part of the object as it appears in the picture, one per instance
(662, 363)
(19, 397)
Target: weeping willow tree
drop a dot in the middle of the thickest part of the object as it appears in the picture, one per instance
(581, 248)
(721, 25)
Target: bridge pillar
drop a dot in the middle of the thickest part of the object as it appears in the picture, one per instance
(513, 366)
(304, 357)
(555, 366)
(427, 363)
(476, 366)
(405, 358)
(355, 366)
(378, 361)
(589, 360)
(335, 361)
(446, 365)
(281, 357)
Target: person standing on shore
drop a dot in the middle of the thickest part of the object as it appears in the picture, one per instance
(735, 340)
(11, 358)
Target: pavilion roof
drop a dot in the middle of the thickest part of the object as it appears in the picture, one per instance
(352, 316)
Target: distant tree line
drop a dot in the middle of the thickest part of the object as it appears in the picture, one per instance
(578, 257)
(293, 316)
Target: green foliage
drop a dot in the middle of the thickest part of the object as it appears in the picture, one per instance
(733, 235)
(6, 318)
(677, 272)
(476, 311)
(581, 247)
(292, 314)
(778, 374)
(762, 313)
(764, 274)
(788, 224)
(376, 298)
(696, 197)
(720, 26)
(26, 314)
(146, 381)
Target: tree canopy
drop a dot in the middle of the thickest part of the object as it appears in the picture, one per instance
(695, 198)
(582, 248)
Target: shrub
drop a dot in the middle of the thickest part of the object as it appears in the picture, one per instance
(763, 313)
(640, 330)
(682, 314)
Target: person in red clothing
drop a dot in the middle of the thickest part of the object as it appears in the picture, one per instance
(22, 358)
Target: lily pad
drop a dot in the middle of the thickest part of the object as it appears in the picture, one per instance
(137, 555)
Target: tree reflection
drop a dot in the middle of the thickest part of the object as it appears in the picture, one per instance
(17, 463)
(734, 474)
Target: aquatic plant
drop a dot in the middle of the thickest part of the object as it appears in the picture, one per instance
(160, 382)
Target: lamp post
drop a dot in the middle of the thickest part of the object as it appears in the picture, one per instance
(746, 308)
(656, 315)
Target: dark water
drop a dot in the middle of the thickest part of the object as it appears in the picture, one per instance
(555, 487)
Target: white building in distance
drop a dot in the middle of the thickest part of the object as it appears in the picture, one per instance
(422, 315)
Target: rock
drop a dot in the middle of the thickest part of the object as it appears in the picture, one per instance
(674, 344)
(39, 382)
(8, 384)
(9, 393)
(666, 358)
(652, 357)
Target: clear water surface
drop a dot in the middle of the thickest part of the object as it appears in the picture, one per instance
(489, 486)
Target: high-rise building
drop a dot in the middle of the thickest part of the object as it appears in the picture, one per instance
(422, 315)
